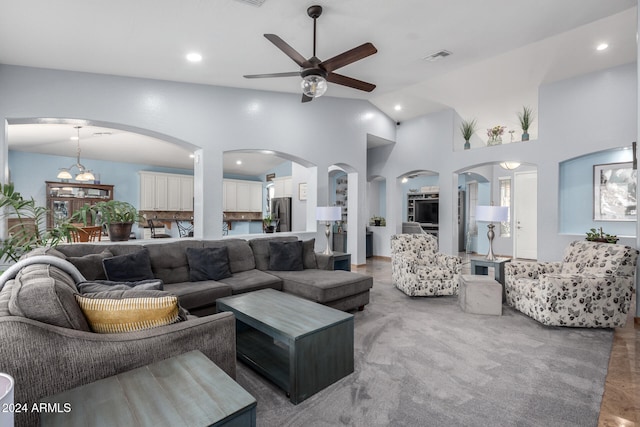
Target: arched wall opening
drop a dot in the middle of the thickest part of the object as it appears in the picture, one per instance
(344, 192)
(496, 183)
(287, 192)
(115, 152)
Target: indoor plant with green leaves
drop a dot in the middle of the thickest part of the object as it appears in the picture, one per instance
(467, 129)
(526, 117)
(26, 230)
(117, 215)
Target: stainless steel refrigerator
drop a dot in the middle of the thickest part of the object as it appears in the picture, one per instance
(281, 211)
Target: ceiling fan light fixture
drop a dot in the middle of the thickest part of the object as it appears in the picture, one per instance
(313, 86)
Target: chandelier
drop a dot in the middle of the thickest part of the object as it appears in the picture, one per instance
(83, 173)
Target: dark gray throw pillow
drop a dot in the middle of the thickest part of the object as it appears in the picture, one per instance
(91, 265)
(208, 263)
(309, 254)
(108, 285)
(128, 268)
(286, 256)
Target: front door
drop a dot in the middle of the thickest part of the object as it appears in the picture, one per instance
(526, 214)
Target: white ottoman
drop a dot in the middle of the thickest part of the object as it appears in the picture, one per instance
(480, 295)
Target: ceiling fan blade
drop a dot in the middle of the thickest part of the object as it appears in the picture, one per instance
(351, 82)
(346, 58)
(288, 50)
(262, 76)
(306, 98)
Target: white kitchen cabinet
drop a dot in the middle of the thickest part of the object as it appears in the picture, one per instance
(241, 196)
(256, 197)
(186, 193)
(283, 187)
(165, 192)
(229, 192)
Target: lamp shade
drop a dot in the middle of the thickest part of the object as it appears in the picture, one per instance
(328, 213)
(492, 213)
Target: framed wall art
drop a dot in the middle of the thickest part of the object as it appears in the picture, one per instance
(614, 192)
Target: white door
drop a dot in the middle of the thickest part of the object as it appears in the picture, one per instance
(525, 219)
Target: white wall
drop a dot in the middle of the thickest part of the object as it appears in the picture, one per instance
(576, 116)
(216, 119)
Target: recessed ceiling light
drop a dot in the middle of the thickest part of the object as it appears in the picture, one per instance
(193, 156)
(602, 46)
(194, 57)
(238, 162)
(405, 180)
(398, 107)
(74, 138)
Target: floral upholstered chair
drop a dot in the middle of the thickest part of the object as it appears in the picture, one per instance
(418, 269)
(592, 287)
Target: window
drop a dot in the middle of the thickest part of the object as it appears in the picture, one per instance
(505, 200)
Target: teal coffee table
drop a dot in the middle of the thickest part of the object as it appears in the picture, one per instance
(297, 344)
(186, 390)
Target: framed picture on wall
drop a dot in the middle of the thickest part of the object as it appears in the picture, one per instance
(614, 192)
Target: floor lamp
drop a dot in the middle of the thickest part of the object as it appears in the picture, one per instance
(328, 214)
(491, 214)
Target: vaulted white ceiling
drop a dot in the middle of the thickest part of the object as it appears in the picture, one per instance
(502, 50)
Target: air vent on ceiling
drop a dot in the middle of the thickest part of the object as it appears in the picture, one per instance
(437, 56)
(256, 3)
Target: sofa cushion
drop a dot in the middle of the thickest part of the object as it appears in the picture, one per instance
(309, 254)
(169, 259)
(108, 285)
(93, 248)
(285, 256)
(323, 285)
(252, 280)
(208, 263)
(45, 293)
(260, 248)
(240, 253)
(194, 295)
(90, 265)
(43, 250)
(584, 257)
(129, 310)
(129, 268)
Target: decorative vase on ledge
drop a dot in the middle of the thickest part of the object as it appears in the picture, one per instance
(467, 145)
(525, 136)
(495, 140)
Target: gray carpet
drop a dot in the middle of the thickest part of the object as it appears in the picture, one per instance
(424, 362)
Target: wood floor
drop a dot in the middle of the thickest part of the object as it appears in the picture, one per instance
(621, 400)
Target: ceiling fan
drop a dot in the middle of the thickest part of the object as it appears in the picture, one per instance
(316, 73)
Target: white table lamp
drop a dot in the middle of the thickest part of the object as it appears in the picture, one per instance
(491, 214)
(328, 214)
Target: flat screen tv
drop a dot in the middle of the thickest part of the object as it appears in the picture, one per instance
(426, 211)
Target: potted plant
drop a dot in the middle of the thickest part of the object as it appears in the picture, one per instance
(268, 224)
(526, 118)
(378, 221)
(119, 217)
(467, 128)
(594, 235)
(26, 221)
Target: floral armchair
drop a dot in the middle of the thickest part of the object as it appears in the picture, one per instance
(417, 269)
(592, 287)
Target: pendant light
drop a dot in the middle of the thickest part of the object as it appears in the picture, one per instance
(84, 174)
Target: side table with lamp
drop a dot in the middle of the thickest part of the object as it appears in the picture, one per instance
(481, 266)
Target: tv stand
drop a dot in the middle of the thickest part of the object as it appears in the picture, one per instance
(411, 209)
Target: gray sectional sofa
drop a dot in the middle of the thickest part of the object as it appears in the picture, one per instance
(47, 351)
(249, 262)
